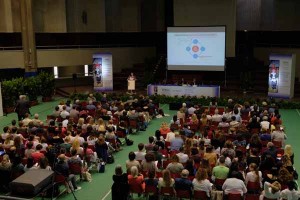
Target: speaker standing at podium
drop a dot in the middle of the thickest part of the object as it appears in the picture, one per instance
(131, 82)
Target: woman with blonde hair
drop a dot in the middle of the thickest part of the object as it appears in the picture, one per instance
(166, 180)
(194, 119)
(135, 180)
(76, 146)
(289, 151)
(254, 175)
(204, 120)
(101, 126)
(5, 164)
(201, 183)
(271, 191)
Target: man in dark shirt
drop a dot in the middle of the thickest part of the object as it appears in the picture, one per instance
(184, 183)
(62, 168)
(22, 107)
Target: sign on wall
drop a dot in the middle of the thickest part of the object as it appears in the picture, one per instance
(281, 77)
(102, 70)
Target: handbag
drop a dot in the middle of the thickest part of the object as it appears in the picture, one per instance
(87, 176)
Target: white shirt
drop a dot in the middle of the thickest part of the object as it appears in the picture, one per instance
(265, 125)
(204, 185)
(268, 192)
(278, 135)
(216, 118)
(183, 158)
(191, 110)
(251, 176)
(234, 185)
(64, 114)
(290, 194)
(140, 155)
(170, 136)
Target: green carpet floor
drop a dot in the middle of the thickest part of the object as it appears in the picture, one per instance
(99, 188)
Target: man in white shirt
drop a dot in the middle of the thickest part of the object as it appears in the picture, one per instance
(74, 113)
(216, 117)
(170, 136)
(183, 158)
(234, 185)
(26, 120)
(140, 154)
(64, 113)
(265, 124)
(191, 110)
(278, 134)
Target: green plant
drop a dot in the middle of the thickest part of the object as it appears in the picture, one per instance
(47, 84)
(11, 89)
(32, 86)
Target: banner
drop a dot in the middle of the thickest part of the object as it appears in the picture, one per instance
(281, 75)
(102, 70)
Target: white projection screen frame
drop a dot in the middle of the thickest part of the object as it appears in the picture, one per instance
(196, 48)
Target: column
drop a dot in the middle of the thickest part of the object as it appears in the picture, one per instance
(28, 37)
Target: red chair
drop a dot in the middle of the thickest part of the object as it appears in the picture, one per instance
(252, 196)
(133, 124)
(174, 126)
(253, 187)
(167, 144)
(234, 196)
(183, 194)
(76, 169)
(167, 191)
(150, 190)
(120, 134)
(164, 152)
(200, 195)
(219, 183)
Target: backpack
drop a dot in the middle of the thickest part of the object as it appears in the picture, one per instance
(129, 142)
(110, 159)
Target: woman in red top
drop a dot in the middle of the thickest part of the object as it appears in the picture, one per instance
(136, 181)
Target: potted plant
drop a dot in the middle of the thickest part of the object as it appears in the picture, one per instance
(31, 87)
(47, 84)
(10, 94)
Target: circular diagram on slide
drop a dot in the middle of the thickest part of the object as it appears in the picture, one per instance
(195, 49)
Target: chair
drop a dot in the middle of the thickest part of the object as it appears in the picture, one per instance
(183, 194)
(234, 196)
(174, 126)
(219, 183)
(253, 187)
(133, 124)
(76, 169)
(200, 195)
(120, 134)
(252, 196)
(150, 190)
(167, 191)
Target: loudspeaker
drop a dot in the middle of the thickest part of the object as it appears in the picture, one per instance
(31, 182)
(74, 76)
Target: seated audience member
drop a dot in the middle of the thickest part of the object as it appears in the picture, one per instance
(175, 166)
(254, 175)
(164, 129)
(37, 155)
(271, 191)
(234, 185)
(136, 180)
(159, 140)
(177, 142)
(30, 164)
(149, 163)
(184, 183)
(201, 183)
(291, 192)
(255, 142)
(132, 162)
(189, 165)
(44, 164)
(182, 156)
(216, 117)
(62, 168)
(29, 149)
(271, 175)
(120, 187)
(76, 146)
(151, 180)
(210, 155)
(17, 168)
(166, 180)
(289, 152)
(234, 122)
(271, 150)
(140, 154)
(278, 134)
(229, 149)
(5, 164)
(265, 124)
(253, 157)
(150, 145)
(223, 123)
(220, 171)
(170, 136)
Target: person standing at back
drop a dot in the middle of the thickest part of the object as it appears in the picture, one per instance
(22, 107)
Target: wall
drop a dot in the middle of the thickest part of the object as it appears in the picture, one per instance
(122, 57)
(85, 15)
(208, 13)
(49, 16)
(263, 55)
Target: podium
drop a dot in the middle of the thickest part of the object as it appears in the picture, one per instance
(131, 84)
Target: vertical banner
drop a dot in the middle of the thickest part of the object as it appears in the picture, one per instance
(103, 73)
(1, 106)
(281, 75)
